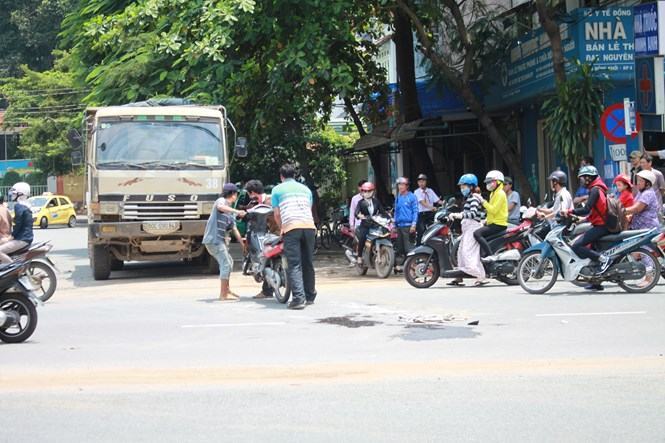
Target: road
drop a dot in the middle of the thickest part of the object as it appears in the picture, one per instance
(151, 355)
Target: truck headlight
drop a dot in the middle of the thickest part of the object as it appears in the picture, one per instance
(109, 208)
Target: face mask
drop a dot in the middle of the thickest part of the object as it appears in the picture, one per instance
(465, 191)
(489, 186)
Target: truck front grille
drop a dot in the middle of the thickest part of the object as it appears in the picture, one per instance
(160, 211)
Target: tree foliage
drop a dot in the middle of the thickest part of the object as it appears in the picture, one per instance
(572, 115)
(45, 105)
(28, 33)
(277, 65)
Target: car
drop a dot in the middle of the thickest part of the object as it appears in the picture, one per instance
(49, 209)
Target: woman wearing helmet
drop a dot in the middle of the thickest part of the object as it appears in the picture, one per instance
(366, 208)
(468, 254)
(646, 206)
(497, 211)
(563, 201)
(596, 211)
(22, 233)
(624, 189)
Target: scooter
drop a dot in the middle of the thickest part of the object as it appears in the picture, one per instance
(41, 270)
(18, 302)
(379, 251)
(634, 266)
(437, 256)
(264, 260)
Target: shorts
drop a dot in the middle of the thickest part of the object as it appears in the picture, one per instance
(221, 253)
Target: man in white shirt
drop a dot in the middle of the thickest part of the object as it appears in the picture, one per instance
(427, 198)
(353, 221)
(563, 201)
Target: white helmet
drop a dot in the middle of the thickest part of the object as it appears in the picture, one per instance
(648, 176)
(20, 189)
(494, 175)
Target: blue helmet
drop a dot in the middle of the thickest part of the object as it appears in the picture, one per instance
(468, 179)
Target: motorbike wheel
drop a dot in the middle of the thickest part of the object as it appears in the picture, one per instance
(282, 293)
(44, 279)
(416, 274)
(20, 305)
(384, 263)
(650, 280)
(526, 273)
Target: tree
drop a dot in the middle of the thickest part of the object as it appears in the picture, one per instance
(28, 33)
(463, 41)
(276, 65)
(46, 104)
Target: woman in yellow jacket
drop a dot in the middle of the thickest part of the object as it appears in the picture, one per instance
(497, 211)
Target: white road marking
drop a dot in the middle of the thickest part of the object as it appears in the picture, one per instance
(589, 314)
(231, 325)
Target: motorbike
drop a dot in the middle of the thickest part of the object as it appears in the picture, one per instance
(41, 270)
(18, 303)
(437, 256)
(264, 260)
(379, 250)
(634, 266)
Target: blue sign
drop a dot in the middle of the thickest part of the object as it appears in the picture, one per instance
(650, 85)
(604, 37)
(649, 29)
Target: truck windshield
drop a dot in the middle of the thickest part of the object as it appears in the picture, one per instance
(148, 144)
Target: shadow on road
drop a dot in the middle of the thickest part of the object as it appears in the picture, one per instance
(144, 272)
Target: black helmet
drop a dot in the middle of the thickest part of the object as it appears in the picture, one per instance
(559, 177)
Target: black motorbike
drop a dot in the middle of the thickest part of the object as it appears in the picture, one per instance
(379, 251)
(18, 302)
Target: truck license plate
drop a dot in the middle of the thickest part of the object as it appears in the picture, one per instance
(161, 227)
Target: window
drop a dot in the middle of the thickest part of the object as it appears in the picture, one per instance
(52, 203)
(63, 202)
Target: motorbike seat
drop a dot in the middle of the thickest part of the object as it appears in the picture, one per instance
(621, 236)
(272, 240)
(20, 251)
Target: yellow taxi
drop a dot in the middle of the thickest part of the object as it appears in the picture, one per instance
(49, 209)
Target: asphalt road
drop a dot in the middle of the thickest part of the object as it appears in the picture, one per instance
(151, 355)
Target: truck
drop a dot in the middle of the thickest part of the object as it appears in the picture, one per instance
(153, 174)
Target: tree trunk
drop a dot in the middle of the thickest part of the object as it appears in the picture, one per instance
(382, 187)
(461, 84)
(420, 160)
(551, 28)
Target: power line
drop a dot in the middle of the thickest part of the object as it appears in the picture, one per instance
(46, 108)
(48, 90)
(47, 94)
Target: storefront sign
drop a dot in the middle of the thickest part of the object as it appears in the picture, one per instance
(650, 85)
(602, 37)
(649, 22)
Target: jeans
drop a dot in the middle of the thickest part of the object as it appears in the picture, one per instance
(221, 253)
(425, 219)
(299, 254)
(590, 236)
(404, 244)
(481, 237)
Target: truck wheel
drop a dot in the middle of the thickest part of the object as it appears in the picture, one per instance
(100, 262)
(117, 265)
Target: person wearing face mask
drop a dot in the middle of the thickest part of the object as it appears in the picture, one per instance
(497, 211)
(368, 207)
(468, 254)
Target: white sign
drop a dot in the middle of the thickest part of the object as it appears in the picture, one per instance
(630, 118)
(618, 152)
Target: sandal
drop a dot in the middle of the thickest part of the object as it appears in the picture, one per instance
(261, 296)
(456, 283)
(479, 283)
(228, 299)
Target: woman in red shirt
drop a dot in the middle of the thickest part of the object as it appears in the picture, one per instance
(625, 188)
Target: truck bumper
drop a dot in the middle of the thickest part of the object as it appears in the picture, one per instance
(125, 230)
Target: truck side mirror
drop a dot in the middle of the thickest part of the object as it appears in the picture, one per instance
(241, 147)
(74, 138)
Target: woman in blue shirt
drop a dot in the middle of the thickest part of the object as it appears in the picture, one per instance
(22, 233)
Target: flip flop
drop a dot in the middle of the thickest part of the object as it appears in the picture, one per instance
(261, 296)
(478, 284)
(228, 300)
(455, 283)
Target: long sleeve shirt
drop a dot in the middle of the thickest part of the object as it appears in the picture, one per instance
(406, 210)
(497, 207)
(353, 221)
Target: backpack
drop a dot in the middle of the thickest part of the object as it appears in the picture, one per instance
(615, 214)
(615, 218)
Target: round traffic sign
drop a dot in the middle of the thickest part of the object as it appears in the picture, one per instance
(613, 124)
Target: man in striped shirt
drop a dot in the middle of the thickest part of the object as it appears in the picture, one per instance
(292, 204)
